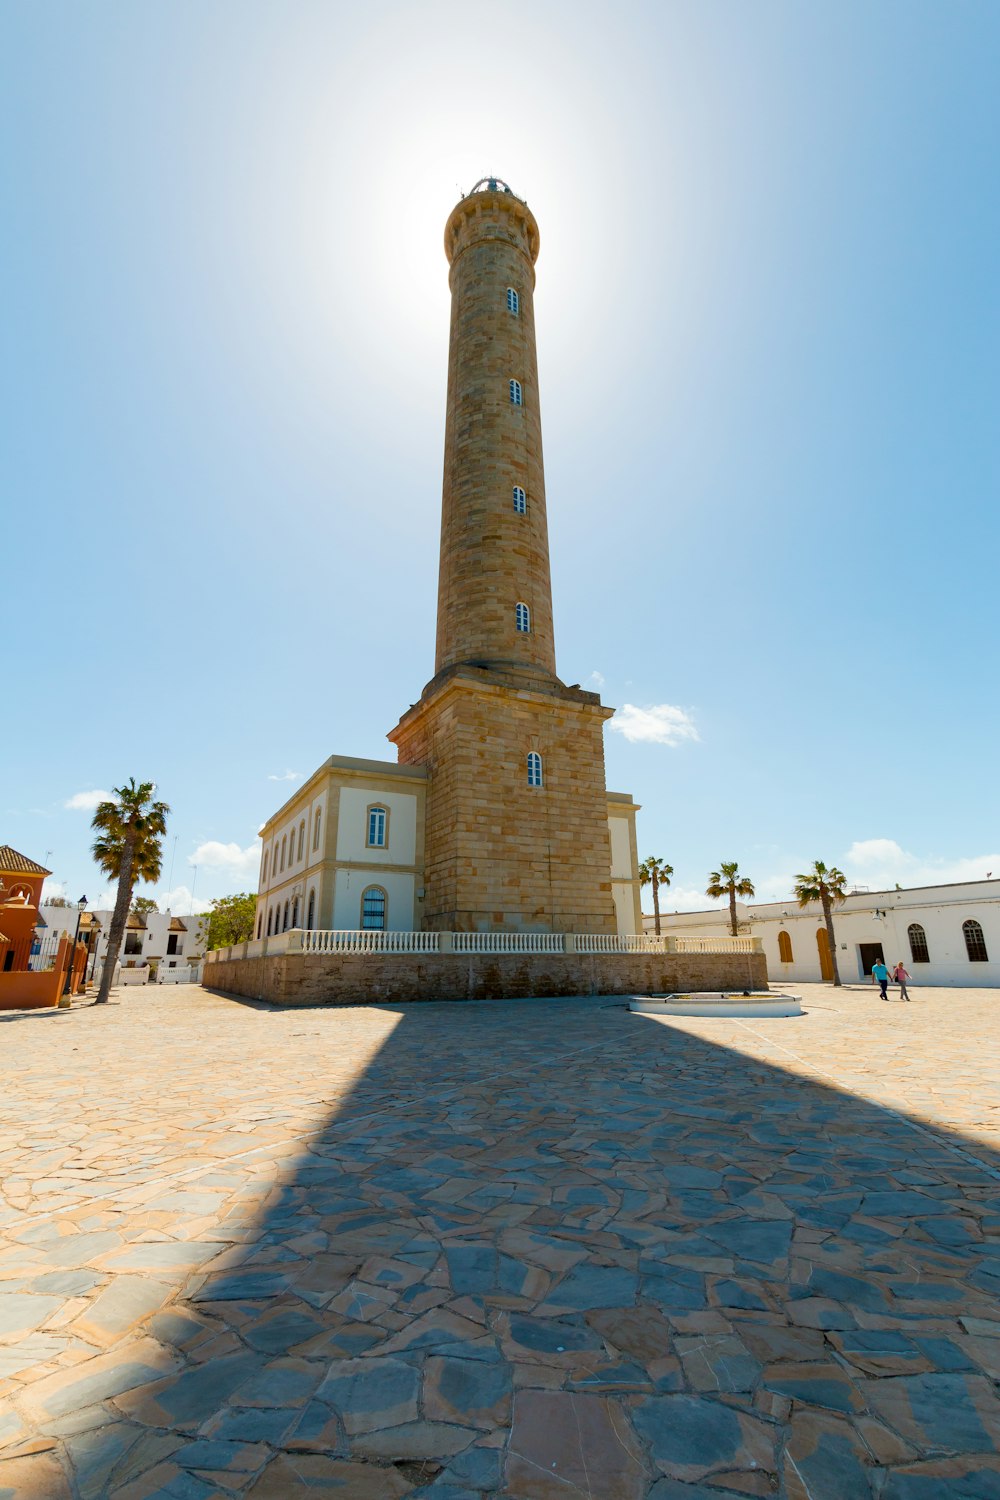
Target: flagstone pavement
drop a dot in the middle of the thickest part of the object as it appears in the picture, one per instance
(536, 1250)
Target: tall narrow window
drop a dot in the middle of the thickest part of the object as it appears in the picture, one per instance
(316, 829)
(515, 392)
(513, 301)
(283, 842)
(295, 912)
(373, 909)
(263, 873)
(534, 768)
(269, 917)
(975, 943)
(311, 915)
(302, 836)
(260, 918)
(376, 827)
(784, 947)
(284, 925)
(918, 943)
(522, 617)
(520, 500)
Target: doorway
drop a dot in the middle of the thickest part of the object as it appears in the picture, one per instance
(868, 954)
(825, 961)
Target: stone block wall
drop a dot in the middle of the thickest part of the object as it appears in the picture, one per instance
(389, 978)
(498, 853)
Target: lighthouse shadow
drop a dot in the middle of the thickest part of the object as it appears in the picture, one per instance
(560, 1198)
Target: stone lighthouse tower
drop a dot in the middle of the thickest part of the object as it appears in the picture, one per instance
(516, 831)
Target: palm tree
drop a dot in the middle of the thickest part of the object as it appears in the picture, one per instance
(655, 872)
(821, 884)
(127, 849)
(726, 881)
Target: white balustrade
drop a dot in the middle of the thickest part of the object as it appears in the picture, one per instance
(370, 942)
(360, 941)
(717, 945)
(621, 942)
(507, 942)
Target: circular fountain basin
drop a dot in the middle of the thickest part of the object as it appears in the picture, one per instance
(711, 1003)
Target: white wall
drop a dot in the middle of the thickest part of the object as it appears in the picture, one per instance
(940, 910)
(400, 891)
(621, 849)
(352, 826)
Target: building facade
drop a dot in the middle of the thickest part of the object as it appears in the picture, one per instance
(944, 934)
(496, 817)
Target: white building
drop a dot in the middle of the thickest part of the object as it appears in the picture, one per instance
(161, 942)
(346, 852)
(944, 934)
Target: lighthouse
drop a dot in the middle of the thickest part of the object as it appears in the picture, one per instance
(516, 834)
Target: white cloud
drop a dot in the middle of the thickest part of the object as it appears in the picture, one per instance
(53, 889)
(181, 903)
(657, 724)
(87, 801)
(881, 863)
(229, 858)
(597, 678)
(288, 776)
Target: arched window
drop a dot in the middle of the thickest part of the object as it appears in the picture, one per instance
(522, 617)
(784, 947)
(513, 301)
(311, 913)
(373, 909)
(534, 768)
(295, 912)
(284, 925)
(316, 829)
(520, 500)
(283, 842)
(918, 943)
(260, 920)
(302, 836)
(515, 392)
(263, 873)
(269, 923)
(378, 827)
(975, 943)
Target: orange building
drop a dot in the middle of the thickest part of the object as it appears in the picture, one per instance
(23, 986)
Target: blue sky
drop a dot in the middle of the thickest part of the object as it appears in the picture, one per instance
(768, 322)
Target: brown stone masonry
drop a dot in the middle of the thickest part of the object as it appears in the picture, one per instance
(499, 853)
(394, 978)
(493, 557)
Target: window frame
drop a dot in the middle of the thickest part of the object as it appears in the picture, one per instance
(516, 392)
(918, 957)
(520, 500)
(302, 837)
(317, 821)
(536, 776)
(371, 811)
(385, 909)
(522, 618)
(975, 938)
(513, 302)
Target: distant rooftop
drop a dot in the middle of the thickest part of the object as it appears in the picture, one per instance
(20, 864)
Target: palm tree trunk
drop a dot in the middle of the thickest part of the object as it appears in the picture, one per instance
(732, 910)
(828, 918)
(119, 917)
(656, 904)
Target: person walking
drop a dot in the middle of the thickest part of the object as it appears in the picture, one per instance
(900, 976)
(881, 973)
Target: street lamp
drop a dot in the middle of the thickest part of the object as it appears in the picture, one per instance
(81, 907)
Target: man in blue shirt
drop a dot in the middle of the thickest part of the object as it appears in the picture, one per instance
(881, 973)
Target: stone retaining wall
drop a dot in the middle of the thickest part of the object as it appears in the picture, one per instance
(373, 978)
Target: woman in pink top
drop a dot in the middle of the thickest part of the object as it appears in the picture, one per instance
(900, 976)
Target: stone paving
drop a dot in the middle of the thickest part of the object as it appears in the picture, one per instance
(534, 1250)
